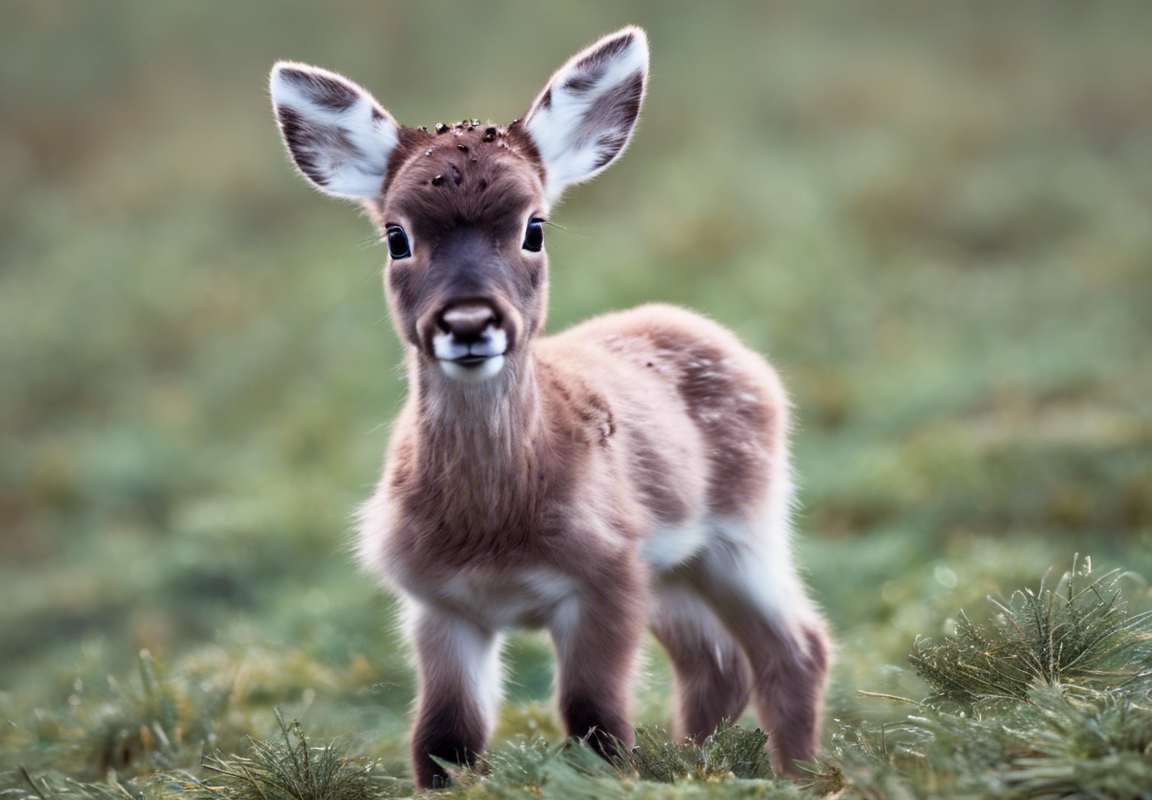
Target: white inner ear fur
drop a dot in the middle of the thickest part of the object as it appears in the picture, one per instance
(568, 124)
(338, 135)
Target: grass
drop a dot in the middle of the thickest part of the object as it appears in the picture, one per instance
(936, 222)
(1048, 698)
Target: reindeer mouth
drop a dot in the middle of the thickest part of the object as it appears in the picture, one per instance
(472, 360)
(472, 368)
(469, 344)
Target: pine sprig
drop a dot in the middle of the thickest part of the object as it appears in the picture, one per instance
(731, 751)
(1098, 745)
(1079, 632)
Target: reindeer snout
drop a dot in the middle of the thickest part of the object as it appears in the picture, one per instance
(470, 341)
(468, 324)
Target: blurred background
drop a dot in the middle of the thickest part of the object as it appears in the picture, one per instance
(935, 221)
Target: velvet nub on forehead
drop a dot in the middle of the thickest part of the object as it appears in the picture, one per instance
(474, 180)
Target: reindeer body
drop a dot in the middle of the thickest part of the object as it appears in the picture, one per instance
(649, 430)
(630, 472)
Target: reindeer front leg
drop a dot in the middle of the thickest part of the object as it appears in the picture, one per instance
(597, 635)
(460, 683)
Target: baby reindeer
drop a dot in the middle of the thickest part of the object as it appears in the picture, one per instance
(631, 472)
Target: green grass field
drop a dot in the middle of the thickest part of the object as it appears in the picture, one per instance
(936, 221)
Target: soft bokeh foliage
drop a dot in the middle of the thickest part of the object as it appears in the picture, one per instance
(935, 219)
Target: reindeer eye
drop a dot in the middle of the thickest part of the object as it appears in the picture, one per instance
(534, 237)
(397, 242)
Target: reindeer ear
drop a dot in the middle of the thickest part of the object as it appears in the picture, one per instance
(338, 135)
(584, 116)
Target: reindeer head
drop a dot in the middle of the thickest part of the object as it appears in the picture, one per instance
(462, 206)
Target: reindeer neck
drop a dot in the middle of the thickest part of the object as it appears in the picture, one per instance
(479, 444)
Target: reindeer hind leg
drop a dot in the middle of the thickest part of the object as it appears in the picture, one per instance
(713, 678)
(754, 590)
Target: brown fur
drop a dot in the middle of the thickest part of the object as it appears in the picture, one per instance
(629, 472)
(577, 467)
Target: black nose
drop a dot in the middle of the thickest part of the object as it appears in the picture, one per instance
(467, 323)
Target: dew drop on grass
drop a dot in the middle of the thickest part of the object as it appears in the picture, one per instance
(945, 577)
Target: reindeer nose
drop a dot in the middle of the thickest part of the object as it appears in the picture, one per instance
(467, 324)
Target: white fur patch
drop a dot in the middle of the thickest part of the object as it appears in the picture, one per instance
(461, 648)
(565, 625)
(575, 141)
(493, 346)
(477, 374)
(342, 149)
(667, 547)
(525, 598)
(757, 565)
(486, 675)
